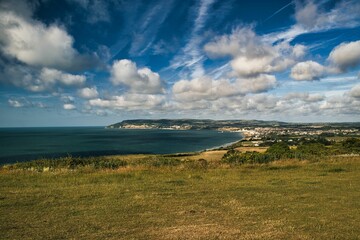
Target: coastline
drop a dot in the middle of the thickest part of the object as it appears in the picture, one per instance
(101, 143)
(226, 144)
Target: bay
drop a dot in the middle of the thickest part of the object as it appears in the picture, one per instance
(23, 144)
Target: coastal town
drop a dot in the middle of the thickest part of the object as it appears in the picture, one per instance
(254, 132)
(260, 132)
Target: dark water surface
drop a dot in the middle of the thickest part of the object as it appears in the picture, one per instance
(22, 144)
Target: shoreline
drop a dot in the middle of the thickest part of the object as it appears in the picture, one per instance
(226, 144)
(8, 160)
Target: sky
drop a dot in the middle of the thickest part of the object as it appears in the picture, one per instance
(94, 62)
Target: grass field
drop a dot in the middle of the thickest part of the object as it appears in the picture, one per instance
(279, 200)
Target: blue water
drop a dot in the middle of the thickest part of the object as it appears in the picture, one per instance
(23, 144)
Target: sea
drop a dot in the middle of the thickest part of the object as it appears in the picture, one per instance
(24, 144)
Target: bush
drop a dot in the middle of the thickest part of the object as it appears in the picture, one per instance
(71, 163)
(232, 156)
(351, 145)
(109, 164)
(307, 150)
(279, 150)
(235, 157)
(158, 161)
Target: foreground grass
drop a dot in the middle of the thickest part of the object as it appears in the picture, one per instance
(280, 200)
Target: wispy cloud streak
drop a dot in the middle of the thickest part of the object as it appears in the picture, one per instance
(191, 56)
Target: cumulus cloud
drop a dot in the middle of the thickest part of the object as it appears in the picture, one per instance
(53, 76)
(130, 101)
(340, 105)
(202, 88)
(295, 106)
(345, 56)
(307, 15)
(304, 96)
(35, 44)
(16, 103)
(88, 93)
(24, 102)
(143, 80)
(307, 71)
(46, 79)
(49, 79)
(23, 8)
(253, 55)
(210, 89)
(69, 106)
(258, 84)
(355, 91)
(313, 17)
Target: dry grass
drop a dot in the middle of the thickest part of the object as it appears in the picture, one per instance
(281, 200)
(211, 155)
(252, 149)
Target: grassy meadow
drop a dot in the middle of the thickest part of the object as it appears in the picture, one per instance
(183, 197)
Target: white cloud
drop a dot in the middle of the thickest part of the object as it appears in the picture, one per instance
(345, 56)
(241, 42)
(20, 102)
(299, 51)
(67, 99)
(69, 106)
(251, 67)
(206, 88)
(34, 43)
(307, 15)
(130, 101)
(24, 8)
(49, 79)
(53, 76)
(355, 91)
(258, 84)
(202, 88)
(88, 93)
(307, 71)
(42, 80)
(16, 103)
(143, 80)
(253, 55)
(340, 105)
(313, 17)
(304, 96)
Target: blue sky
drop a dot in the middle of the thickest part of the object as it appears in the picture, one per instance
(93, 62)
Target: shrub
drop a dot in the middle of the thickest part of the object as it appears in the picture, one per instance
(71, 163)
(232, 156)
(307, 150)
(279, 150)
(351, 145)
(162, 161)
(109, 164)
(235, 157)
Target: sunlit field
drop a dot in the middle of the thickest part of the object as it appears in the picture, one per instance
(184, 198)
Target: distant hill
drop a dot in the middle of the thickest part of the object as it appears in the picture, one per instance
(193, 124)
(207, 124)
